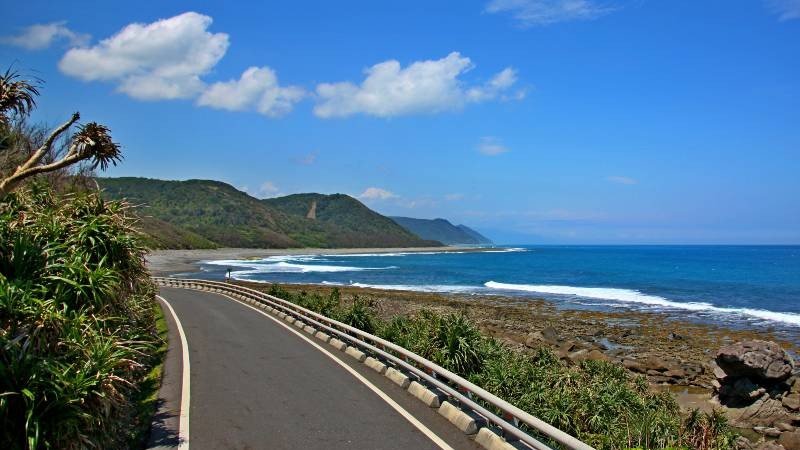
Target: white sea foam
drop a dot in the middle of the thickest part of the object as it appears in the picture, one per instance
(422, 288)
(633, 296)
(268, 265)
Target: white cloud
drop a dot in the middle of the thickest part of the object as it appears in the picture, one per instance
(307, 159)
(159, 60)
(257, 89)
(785, 9)
(41, 36)
(453, 197)
(622, 180)
(268, 189)
(491, 146)
(545, 12)
(374, 193)
(422, 87)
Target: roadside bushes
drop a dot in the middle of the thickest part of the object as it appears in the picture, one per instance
(599, 402)
(76, 321)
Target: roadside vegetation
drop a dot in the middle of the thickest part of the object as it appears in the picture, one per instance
(599, 402)
(79, 349)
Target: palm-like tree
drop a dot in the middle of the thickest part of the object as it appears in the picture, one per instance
(17, 96)
(92, 141)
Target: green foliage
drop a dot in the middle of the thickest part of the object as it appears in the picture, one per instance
(359, 315)
(76, 321)
(599, 402)
(202, 213)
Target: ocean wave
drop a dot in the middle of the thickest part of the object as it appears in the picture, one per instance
(282, 266)
(633, 296)
(455, 289)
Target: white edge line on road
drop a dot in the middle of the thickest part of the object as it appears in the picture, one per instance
(407, 415)
(183, 423)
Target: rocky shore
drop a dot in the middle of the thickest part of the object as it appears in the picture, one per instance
(679, 356)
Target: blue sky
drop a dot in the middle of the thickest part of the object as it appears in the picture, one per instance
(541, 121)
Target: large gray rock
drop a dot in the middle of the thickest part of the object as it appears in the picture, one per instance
(764, 412)
(757, 360)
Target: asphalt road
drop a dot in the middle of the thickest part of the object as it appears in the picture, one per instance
(257, 385)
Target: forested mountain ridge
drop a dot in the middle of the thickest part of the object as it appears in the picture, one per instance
(207, 213)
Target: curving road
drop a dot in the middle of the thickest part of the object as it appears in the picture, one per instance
(255, 383)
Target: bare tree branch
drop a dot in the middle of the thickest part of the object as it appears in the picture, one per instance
(48, 143)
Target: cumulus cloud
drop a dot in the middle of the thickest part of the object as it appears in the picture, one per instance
(268, 189)
(545, 12)
(491, 146)
(256, 90)
(785, 9)
(428, 86)
(622, 180)
(159, 60)
(41, 36)
(374, 193)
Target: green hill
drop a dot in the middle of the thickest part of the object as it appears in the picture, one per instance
(342, 221)
(205, 214)
(442, 230)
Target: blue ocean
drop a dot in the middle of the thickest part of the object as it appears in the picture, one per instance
(741, 286)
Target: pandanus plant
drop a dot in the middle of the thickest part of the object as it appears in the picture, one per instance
(92, 142)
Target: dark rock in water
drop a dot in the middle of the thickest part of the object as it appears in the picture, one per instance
(790, 441)
(740, 392)
(758, 360)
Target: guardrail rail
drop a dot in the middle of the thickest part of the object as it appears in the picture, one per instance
(507, 418)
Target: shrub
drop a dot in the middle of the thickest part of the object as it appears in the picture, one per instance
(76, 321)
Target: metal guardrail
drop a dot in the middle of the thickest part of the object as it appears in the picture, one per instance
(465, 393)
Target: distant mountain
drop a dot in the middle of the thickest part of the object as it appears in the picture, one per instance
(443, 231)
(204, 213)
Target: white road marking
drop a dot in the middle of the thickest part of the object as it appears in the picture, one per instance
(407, 415)
(183, 424)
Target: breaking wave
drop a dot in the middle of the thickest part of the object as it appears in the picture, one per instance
(633, 296)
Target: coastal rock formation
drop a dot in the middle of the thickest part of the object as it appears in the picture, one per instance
(754, 382)
(758, 360)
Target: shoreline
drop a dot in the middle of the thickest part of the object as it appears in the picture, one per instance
(171, 262)
(673, 353)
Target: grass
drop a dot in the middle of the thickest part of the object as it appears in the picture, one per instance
(599, 402)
